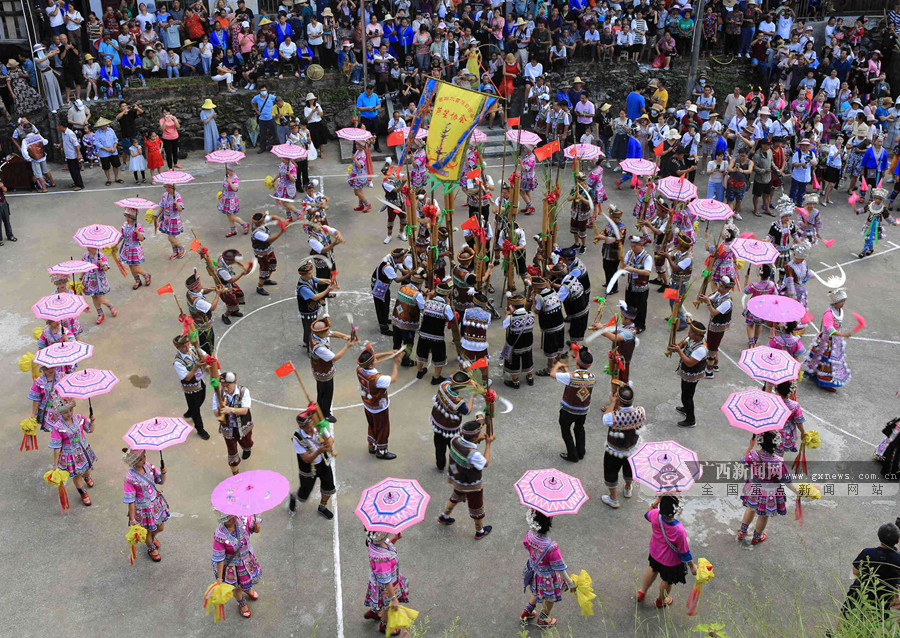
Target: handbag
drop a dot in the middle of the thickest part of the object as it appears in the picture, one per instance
(528, 570)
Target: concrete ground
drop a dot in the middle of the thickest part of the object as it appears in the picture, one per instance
(72, 572)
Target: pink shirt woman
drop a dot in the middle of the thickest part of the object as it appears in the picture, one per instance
(169, 127)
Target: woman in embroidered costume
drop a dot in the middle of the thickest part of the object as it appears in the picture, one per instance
(419, 160)
(528, 182)
(229, 204)
(789, 436)
(233, 559)
(670, 555)
(130, 250)
(358, 177)
(41, 395)
(147, 506)
(788, 340)
(96, 285)
(550, 575)
(64, 286)
(170, 222)
(827, 362)
(809, 225)
(286, 187)
(723, 257)
(796, 273)
(765, 286)
(387, 586)
(71, 450)
(763, 495)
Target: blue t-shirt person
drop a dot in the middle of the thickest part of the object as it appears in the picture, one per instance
(634, 105)
(264, 102)
(368, 101)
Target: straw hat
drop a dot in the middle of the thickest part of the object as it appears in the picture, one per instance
(208, 104)
(327, 12)
(520, 22)
(186, 42)
(310, 96)
(87, 57)
(12, 64)
(102, 122)
(692, 108)
(264, 22)
(388, 17)
(510, 58)
(577, 80)
(765, 111)
(605, 108)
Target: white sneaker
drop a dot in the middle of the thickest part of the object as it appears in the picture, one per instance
(627, 492)
(738, 217)
(252, 87)
(387, 240)
(613, 504)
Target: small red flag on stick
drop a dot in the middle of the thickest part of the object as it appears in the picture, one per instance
(195, 245)
(284, 370)
(480, 363)
(165, 289)
(671, 293)
(513, 121)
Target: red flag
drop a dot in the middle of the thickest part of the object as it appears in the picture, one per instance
(470, 224)
(165, 289)
(474, 174)
(480, 363)
(611, 322)
(395, 139)
(671, 293)
(284, 370)
(513, 121)
(195, 245)
(545, 151)
(658, 149)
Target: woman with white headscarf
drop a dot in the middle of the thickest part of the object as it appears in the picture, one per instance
(827, 362)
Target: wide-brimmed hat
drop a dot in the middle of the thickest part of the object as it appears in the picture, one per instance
(208, 104)
(765, 111)
(672, 134)
(320, 326)
(327, 12)
(310, 96)
(102, 122)
(12, 64)
(605, 107)
(38, 47)
(346, 43)
(520, 22)
(577, 80)
(264, 22)
(188, 42)
(510, 58)
(388, 17)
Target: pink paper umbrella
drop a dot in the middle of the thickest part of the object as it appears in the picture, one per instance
(776, 308)
(755, 411)
(249, 493)
(173, 177)
(392, 505)
(86, 383)
(768, 364)
(64, 353)
(637, 166)
(478, 136)
(677, 189)
(665, 466)
(354, 134)
(582, 151)
(711, 210)
(551, 492)
(138, 203)
(97, 236)
(289, 151)
(518, 136)
(59, 306)
(71, 267)
(224, 156)
(421, 134)
(157, 433)
(755, 251)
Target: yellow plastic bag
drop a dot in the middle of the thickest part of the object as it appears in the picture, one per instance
(29, 426)
(219, 196)
(215, 598)
(402, 618)
(135, 536)
(269, 181)
(25, 361)
(808, 490)
(149, 217)
(584, 593)
(56, 477)
(739, 264)
(811, 439)
(36, 333)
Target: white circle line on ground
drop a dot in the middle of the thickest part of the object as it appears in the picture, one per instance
(300, 409)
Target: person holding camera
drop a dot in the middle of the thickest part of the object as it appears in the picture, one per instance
(283, 114)
(169, 126)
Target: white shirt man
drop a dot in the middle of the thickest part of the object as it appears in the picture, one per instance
(533, 69)
(56, 13)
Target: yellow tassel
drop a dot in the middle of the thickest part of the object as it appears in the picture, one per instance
(269, 181)
(56, 477)
(401, 618)
(25, 361)
(811, 439)
(79, 288)
(739, 264)
(584, 593)
(215, 598)
(704, 572)
(29, 426)
(809, 491)
(36, 333)
(149, 217)
(219, 196)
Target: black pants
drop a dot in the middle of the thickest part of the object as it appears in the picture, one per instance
(307, 329)
(610, 266)
(688, 388)
(612, 464)
(195, 402)
(171, 149)
(639, 301)
(302, 172)
(383, 311)
(322, 472)
(4, 219)
(75, 172)
(577, 328)
(403, 338)
(266, 134)
(574, 449)
(441, 443)
(324, 395)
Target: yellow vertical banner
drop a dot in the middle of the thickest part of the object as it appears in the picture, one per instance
(456, 112)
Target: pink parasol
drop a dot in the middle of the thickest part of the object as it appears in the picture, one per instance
(769, 364)
(86, 383)
(224, 156)
(289, 151)
(518, 136)
(138, 203)
(173, 177)
(392, 505)
(478, 136)
(157, 433)
(249, 493)
(582, 151)
(776, 308)
(64, 353)
(97, 236)
(755, 251)
(354, 134)
(665, 466)
(636, 166)
(712, 210)
(59, 306)
(551, 492)
(677, 189)
(755, 411)
(421, 134)
(71, 267)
